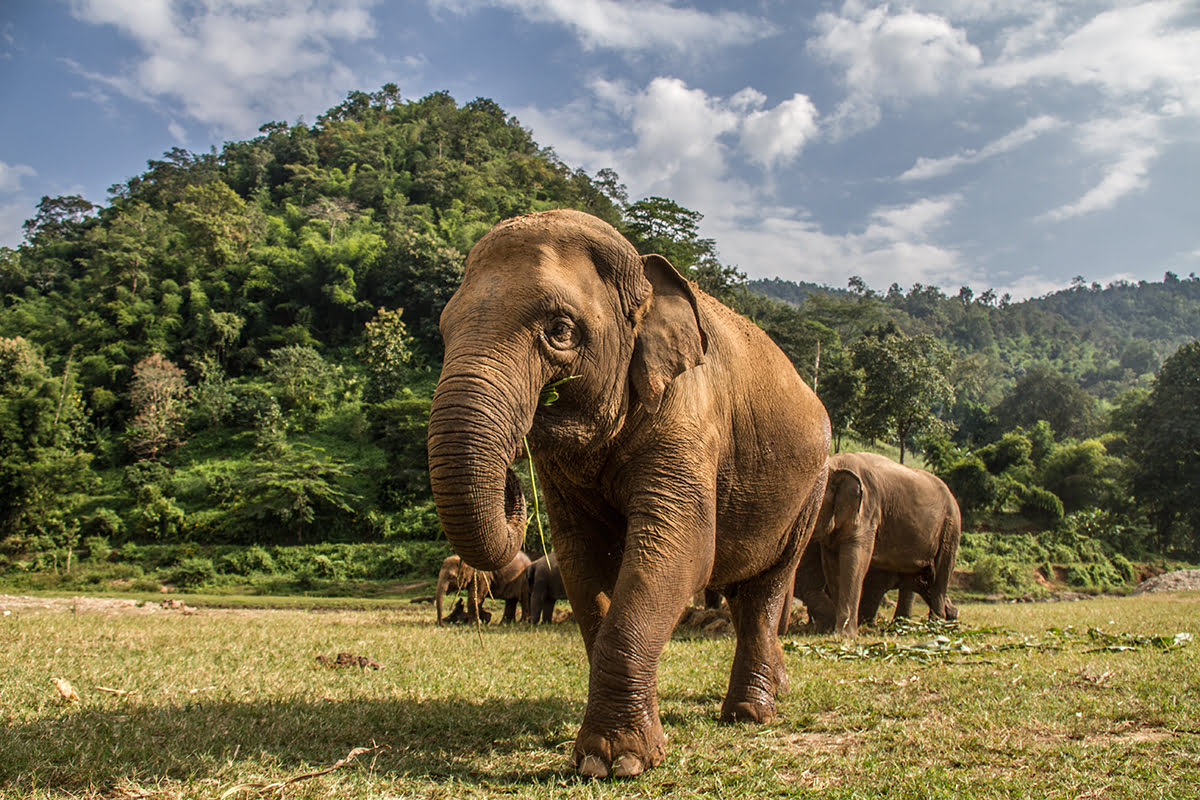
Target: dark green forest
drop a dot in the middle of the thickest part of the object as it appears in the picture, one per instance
(235, 355)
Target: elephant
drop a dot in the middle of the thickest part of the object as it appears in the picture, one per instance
(810, 588)
(545, 587)
(507, 583)
(901, 523)
(676, 446)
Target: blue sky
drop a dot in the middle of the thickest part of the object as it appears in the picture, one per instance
(1010, 144)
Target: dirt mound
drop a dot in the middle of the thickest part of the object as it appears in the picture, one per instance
(713, 621)
(1179, 581)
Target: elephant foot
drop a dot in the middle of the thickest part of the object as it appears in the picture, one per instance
(623, 754)
(747, 711)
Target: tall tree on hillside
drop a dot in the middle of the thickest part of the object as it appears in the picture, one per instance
(1165, 446)
(841, 390)
(159, 396)
(905, 385)
(1043, 394)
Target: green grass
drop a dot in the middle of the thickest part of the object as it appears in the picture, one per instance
(226, 697)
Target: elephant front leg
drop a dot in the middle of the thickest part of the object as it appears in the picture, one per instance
(621, 734)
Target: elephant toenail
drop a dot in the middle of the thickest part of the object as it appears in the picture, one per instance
(627, 766)
(592, 767)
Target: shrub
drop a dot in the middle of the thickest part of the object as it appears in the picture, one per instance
(98, 548)
(106, 523)
(997, 575)
(191, 572)
(245, 562)
(972, 485)
(1040, 505)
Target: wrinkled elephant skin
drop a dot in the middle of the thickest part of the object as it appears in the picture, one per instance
(682, 451)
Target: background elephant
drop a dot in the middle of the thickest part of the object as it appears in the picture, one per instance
(880, 515)
(676, 445)
(507, 583)
(810, 588)
(545, 587)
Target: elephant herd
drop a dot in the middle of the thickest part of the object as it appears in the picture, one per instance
(678, 451)
(534, 586)
(881, 526)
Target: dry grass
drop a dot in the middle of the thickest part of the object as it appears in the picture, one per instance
(235, 702)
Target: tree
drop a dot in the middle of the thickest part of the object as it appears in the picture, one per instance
(57, 218)
(1044, 394)
(386, 349)
(1165, 446)
(159, 396)
(841, 390)
(905, 384)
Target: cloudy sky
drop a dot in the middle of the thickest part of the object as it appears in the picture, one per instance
(1011, 144)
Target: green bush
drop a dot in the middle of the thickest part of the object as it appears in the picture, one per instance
(1124, 568)
(994, 574)
(973, 486)
(249, 561)
(1040, 505)
(105, 522)
(191, 573)
(98, 548)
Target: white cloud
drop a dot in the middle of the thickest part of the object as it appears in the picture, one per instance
(645, 25)
(1126, 175)
(1126, 146)
(11, 175)
(673, 140)
(1124, 52)
(883, 55)
(231, 64)
(936, 167)
(777, 135)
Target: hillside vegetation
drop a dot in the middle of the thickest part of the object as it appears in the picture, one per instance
(237, 353)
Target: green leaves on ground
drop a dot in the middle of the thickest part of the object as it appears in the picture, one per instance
(951, 640)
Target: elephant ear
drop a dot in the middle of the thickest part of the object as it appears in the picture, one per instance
(670, 339)
(847, 497)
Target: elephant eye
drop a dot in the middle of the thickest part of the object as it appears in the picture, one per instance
(561, 334)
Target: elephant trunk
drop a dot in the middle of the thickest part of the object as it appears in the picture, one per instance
(473, 438)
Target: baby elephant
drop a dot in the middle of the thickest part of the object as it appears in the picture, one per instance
(545, 587)
(508, 584)
(901, 523)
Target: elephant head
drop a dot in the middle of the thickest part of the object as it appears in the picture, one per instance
(843, 504)
(562, 298)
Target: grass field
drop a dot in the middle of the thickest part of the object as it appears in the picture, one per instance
(229, 702)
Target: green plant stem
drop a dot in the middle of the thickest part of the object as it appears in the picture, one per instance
(536, 506)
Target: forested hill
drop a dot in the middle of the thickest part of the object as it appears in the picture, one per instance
(240, 345)
(1102, 337)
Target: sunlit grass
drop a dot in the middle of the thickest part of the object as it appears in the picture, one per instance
(226, 697)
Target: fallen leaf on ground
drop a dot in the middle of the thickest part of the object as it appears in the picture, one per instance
(65, 690)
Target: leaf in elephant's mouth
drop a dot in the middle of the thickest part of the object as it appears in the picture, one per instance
(549, 392)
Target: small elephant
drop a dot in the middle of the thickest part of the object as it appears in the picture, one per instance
(676, 445)
(507, 584)
(901, 523)
(545, 587)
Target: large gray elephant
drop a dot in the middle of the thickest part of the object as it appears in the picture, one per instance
(677, 447)
(901, 523)
(545, 587)
(507, 583)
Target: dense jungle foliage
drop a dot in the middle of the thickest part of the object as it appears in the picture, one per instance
(238, 351)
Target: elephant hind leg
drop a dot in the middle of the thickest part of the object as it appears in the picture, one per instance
(757, 610)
